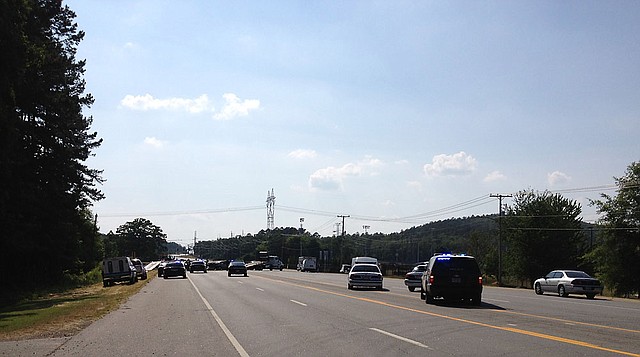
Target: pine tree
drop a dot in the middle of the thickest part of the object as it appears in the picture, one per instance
(45, 186)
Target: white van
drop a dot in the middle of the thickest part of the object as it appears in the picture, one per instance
(309, 264)
(118, 269)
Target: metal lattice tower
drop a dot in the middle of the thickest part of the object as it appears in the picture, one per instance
(271, 202)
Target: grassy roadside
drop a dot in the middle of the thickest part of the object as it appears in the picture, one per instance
(63, 314)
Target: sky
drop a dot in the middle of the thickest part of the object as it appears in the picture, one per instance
(394, 113)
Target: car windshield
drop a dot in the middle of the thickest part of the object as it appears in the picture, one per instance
(420, 268)
(577, 274)
(365, 268)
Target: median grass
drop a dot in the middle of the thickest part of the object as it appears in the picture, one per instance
(59, 314)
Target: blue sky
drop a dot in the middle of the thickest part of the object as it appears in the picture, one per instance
(397, 113)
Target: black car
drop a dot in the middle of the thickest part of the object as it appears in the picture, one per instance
(198, 265)
(452, 277)
(237, 267)
(175, 268)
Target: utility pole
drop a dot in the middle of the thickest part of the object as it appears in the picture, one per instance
(195, 233)
(500, 197)
(343, 217)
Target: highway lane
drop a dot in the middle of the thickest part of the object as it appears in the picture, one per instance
(288, 313)
(292, 313)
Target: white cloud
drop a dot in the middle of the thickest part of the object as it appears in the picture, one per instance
(233, 107)
(303, 154)
(148, 102)
(417, 185)
(557, 178)
(332, 178)
(495, 176)
(154, 142)
(236, 108)
(451, 165)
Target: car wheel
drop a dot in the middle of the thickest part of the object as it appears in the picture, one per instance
(228, 274)
(477, 301)
(105, 284)
(166, 277)
(422, 294)
(412, 288)
(562, 292)
(538, 289)
(428, 299)
(591, 296)
(350, 287)
(245, 274)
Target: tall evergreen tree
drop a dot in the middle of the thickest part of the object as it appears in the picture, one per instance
(45, 186)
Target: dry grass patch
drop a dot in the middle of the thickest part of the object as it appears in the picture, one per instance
(63, 314)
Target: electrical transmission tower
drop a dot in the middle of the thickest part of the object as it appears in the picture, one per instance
(271, 202)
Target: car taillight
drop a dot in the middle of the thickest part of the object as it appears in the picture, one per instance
(480, 280)
(431, 279)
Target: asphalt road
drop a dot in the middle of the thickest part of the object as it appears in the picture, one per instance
(288, 313)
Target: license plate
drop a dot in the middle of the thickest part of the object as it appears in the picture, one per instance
(456, 280)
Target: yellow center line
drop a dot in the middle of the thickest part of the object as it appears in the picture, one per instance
(502, 328)
(567, 321)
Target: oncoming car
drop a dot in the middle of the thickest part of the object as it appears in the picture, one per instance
(237, 267)
(565, 282)
(365, 276)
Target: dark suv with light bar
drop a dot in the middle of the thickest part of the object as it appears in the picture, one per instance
(452, 277)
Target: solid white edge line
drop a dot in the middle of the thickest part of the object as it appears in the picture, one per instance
(400, 338)
(298, 302)
(232, 339)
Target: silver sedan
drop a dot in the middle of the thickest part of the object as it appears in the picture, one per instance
(565, 282)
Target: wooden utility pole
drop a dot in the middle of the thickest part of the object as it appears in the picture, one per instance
(500, 197)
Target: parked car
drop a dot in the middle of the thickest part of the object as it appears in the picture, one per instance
(413, 279)
(140, 269)
(565, 282)
(174, 268)
(237, 267)
(365, 276)
(198, 265)
(118, 269)
(452, 277)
